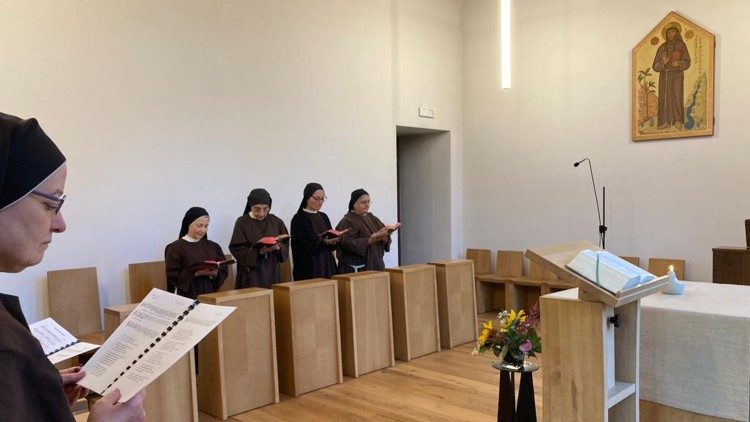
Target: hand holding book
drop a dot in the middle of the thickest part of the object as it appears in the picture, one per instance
(206, 267)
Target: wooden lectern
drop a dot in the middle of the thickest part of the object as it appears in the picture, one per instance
(416, 327)
(366, 323)
(237, 360)
(307, 335)
(590, 343)
(172, 396)
(457, 305)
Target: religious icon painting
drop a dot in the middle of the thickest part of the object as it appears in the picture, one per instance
(673, 81)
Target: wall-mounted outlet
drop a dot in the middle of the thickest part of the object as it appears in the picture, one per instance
(426, 112)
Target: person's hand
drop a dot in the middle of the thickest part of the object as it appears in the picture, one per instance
(209, 272)
(665, 59)
(70, 377)
(675, 64)
(107, 409)
(268, 249)
(331, 241)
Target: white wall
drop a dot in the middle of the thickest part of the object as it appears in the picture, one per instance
(163, 105)
(571, 99)
(427, 73)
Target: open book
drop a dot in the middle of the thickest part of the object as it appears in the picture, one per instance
(392, 227)
(332, 233)
(152, 338)
(609, 271)
(210, 265)
(57, 342)
(271, 240)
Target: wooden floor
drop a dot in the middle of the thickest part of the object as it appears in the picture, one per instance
(449, 385)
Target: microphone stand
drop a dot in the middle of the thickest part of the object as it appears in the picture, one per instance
(602, 221)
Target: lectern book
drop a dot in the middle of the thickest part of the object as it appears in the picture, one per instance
(556, 258)
(57, 342)
(609, 271)
(158, 333)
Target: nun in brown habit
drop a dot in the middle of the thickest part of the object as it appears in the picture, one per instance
(363, 246)
(32, 180)
(258, 265)
(190, 250)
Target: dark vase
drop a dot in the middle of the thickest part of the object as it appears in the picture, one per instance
(513, 360)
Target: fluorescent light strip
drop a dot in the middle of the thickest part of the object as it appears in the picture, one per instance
(505, 44)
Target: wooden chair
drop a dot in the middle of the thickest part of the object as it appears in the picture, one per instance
(633, 260)
(484, 293)
(231, 280)
(74, 302)
(509, 266)
(660, 267)
(144, 276)
(481, 258)
(285, 270)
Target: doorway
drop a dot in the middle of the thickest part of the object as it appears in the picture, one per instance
(424, 192)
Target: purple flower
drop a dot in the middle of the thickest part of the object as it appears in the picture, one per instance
(526, 346)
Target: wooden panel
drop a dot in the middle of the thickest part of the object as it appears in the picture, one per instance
(74, 300)
(481, 258)
(747, 233)
(520, 296)
(416, 327)
(175, 387)
(456, 302)
(655, 412)
(366, 324)
(633, 260)
(731, 265)
(307, 335)
(510, 263)
(237, 360)
(660, 266)
(144, 276)
(574, 362)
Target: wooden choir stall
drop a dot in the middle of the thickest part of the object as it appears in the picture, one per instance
(457, 306)
(416, 326)
(237, 360)
(366, 322)
(307, 335)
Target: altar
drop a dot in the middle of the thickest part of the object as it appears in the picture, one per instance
(695, 350)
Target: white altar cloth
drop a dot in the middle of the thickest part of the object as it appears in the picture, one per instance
(695, 350)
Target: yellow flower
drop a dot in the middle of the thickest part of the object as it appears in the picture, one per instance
(486, 328)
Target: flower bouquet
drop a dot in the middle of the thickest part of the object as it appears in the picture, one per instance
(512, 337)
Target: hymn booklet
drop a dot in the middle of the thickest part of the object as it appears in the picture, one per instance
(58, 344)
(609, 271)
(158, 333)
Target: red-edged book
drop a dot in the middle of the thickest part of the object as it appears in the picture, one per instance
(332, 233)
(211, 265)
(271, 240)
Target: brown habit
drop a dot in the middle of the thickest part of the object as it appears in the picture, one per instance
(353, 248)
(253, 268)
(181, 255)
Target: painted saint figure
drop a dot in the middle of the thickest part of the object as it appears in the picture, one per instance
(671, 60)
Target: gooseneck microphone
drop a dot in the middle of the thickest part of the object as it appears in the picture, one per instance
(602, 217)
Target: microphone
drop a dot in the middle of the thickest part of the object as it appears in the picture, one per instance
(602, 221)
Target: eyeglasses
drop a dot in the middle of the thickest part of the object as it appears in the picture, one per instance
(59, 199)
(319, 198)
